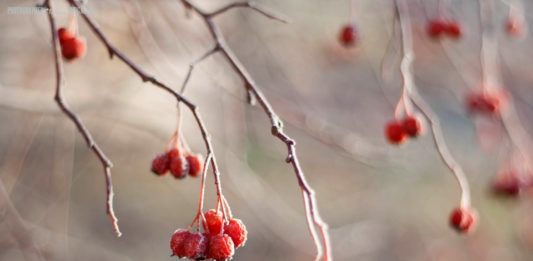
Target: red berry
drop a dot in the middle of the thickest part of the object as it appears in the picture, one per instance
(453, 30)
(395, 132)
(411, 126)
(73, 48)
(463, 220)
(177, 242)
(487, 103)
(215, 221)
(195, 247)
(177, 164)
(514, 27)
(196, 164)
(348, 35)
(220, 247)
(436, 27)
(507, 185)
(236, 230)
(65, 34)
(160, 164)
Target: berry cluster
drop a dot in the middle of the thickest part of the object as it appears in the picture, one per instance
(464, 220)
(72, 46)
(439, 27)
(485, 102)
(178, 164)
(348, 35)
(218, 242)
(397, 131)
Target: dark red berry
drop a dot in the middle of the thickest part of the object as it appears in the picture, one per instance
(486, 103)
(195, 246)
(411, 126)
(220, 247)
(436, 28)
(65, 34)
(177, 242)
(177, 164)
(236, 230)
(394, 132)
(453, 30)
(214, 221)
(196, 164)
(160, 164)
(348, 35)
(463, 220)
(507, 185)
(73, 48)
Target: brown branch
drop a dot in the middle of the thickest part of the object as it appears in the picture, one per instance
(63, 105)
(251, 5)
(312, 213)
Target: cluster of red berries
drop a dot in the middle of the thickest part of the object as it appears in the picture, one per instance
(439, 27)
(348, 35)
(484, 103)
(72, 46)
(218, 242)
(397, 131)
(464, 220)
(178, 164)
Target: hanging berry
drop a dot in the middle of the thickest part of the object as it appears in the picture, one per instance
(436, 28)
(73, 48)
(196, 164)
(348, 35)
(177, 242)
(220, 247)
(411, 126)
(394, 132)
(464, 220)
(195, 246)
(214, 221)
(236, 230)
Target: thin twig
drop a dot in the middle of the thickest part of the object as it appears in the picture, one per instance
(312, 212)
(63, 105)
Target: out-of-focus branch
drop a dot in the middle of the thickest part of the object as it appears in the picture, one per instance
(63, 105)
(313, 215)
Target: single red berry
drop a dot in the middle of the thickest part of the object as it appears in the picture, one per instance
(236, 230)
(177, 242)
(220, 247)
(514, 27)
(411, 126)
(348, 35)
(436, 28)
(195, 246)
(73, 48)
(177, 164)
(463, 220)
(65, 34)
(196, 164)
(507, 184)
(453, 30)
(487, 103)
(215, 221)
(395, 132)
(160, 164)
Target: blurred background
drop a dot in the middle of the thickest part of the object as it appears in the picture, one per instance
(382, 202)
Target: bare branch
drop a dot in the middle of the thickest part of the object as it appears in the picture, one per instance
(251, 5)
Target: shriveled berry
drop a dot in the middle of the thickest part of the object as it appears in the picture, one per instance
(214, 221)
(348, 35)
(195, 246)
(160, 164)
(236, 230)
(463, 220)
(220, 247)
(394, 132)
(411, 126)
(196, 164)
(73, 48)
(65, 34)
(454, 30)
(177, 164)
(436, 28)
(177, 242)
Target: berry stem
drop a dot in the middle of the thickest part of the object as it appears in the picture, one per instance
(200, 213)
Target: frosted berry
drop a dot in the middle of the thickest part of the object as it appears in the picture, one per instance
(73, 48)
(463, 220)
(220, 247)
(65, 34)
(195, 246)
(394, 132)
(214, 221)
(453, 30)
(411, 126)
(348, 35)
(436, 28)
(196, 164)
(236, 230)
(507, 185)
(177, 242)
(177, 164)
(160, 164)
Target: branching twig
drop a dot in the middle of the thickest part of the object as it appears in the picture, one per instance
(313, 216)
(77, 120)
